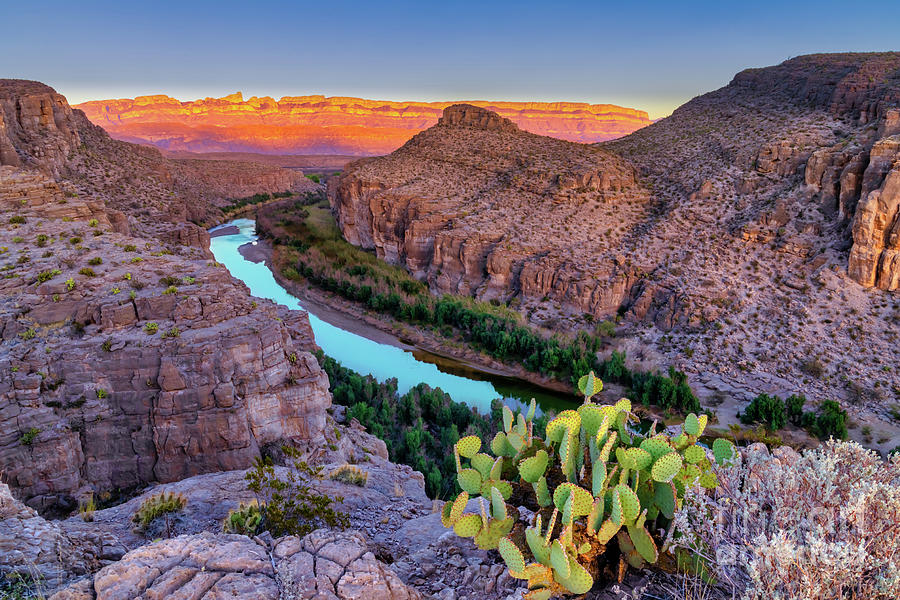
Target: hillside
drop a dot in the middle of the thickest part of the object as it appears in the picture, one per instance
(333, 125)
(728, 253)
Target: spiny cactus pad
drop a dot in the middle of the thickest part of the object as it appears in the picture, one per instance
(598, 478)
(638, 457)
(470, 480)
(559, 559)
(643, 543)
(578, 581)
(691, 425)
(541, 492)
(503, 487)
(483, 463)
(666, 467)
(566, 423)
(500, 445)
(607, 531)
(631, 505)
(538, 545)
(511, 555)
(467, 525)
(468, 446)
(498, 506)
(657, 446)
(664, 497)
(590, 385)
(591, 419)
(445, 515)
(490, 536)
(458, 506)
(724, 451)
(582, 500)
(532, 469)
(694, 454)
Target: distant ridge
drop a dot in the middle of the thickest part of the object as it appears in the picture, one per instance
(331, 125)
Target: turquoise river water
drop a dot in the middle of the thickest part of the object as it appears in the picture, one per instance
(364, 355)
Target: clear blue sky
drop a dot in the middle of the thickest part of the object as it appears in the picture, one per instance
(650, 55)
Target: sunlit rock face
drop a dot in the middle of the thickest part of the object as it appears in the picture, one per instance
(336, 125)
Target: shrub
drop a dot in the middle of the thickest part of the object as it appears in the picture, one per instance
(101, 393)
(17, 220)
(608, 482)
(130, 248)
(136, 259)
(41, 240)
(794, 408)
(106, 346)
(828, 421)
(29, 436)
(95, 261)
(86, 508)
(75, 240)
(766, 409)
(47, 275)
(351, 475)
(821, 526)
(93, 223)
(87, 272)
(156, 506)
(174, 332)
(290, 505)
(171, 290)
(151, 328)
(70, 284)
(246, 519)
(28, 334)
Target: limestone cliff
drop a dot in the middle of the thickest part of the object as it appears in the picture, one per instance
(476, 206)
(126, 355)
(336, 125)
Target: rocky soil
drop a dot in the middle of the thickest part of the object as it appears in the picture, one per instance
(337, 125)
(753, 245)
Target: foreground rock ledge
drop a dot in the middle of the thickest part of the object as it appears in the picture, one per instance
(324, 565)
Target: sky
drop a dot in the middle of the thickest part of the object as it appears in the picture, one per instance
(649, 55)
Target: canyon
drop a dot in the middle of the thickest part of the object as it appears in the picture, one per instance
(330, 125)
(778, 190)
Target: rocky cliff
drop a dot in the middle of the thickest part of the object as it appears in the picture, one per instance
(751, 238)
(127, 356)
(336, 125)
(476, 206)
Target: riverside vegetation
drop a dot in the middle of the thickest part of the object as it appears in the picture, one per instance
(309, 247)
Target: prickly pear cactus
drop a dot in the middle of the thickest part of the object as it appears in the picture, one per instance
(604, 490)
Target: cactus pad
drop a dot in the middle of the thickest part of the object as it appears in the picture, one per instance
(542, 492)
(445, 514)
(643, 543)
(702, 420)
(724, 451)
(469, 446)
(582, 499)
(691, 425)
(608, 446)
(591, 418)
(607, 531)
(623, 405)
(470, 480)
(500, 445)
(559, 560)
(483, 463)
(595, 517)
(498, 506)
(532, 469)
(507, 418)
(458, 506)
(516, 440)
(490, 536)
(579, 581)
(537, 545)
(665, 498)
(657, 446)
(639, 458)
(694, 454)
(503, 487)
(598, 478)
(631, 505)
(532, 406)
(666, 467)
(566, 423)
(467, 525)
(590, 385)
(497, 468)
(512, 556)
(617, 515)
(709, 480)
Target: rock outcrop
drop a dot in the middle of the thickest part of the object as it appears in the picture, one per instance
(320, 125)
(476, 206)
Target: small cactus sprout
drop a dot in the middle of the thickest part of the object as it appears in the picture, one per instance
(243, 520)
(157, 506)
(603, 489)
(350, 474)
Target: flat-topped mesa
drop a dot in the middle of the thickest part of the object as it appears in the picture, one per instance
(467, 115)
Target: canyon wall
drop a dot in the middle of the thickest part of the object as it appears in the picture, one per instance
(126, 355)
(331, 125)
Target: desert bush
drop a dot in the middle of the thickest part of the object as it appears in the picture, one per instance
(350, 474)
(289, 502)
(156, 506)
(87, 272)
(86, 508)
(151, 328)
(766, 409)
(821, 526)
(246, 519)
(95, 261)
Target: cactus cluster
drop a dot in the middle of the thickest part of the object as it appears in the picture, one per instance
(593, 479)
(156, 506)
(246, 519)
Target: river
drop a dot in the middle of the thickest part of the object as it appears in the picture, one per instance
(354, 350)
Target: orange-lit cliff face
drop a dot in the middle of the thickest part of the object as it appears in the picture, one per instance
(336, 125)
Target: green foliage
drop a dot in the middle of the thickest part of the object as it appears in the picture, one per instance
(766, 409)
(17, 220)
(417, 427)
(350, 474)
(95, 261)
(86, 508)
(828, 421)
(87, 272)
(288, 502)
(41, 240)
(611, 487)
(246, 519)
(28, 334)
(47, 275)
(170, 290)
(151, 328)
(314, 178)
(29, 436)
(156, 506)
(101, 393)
